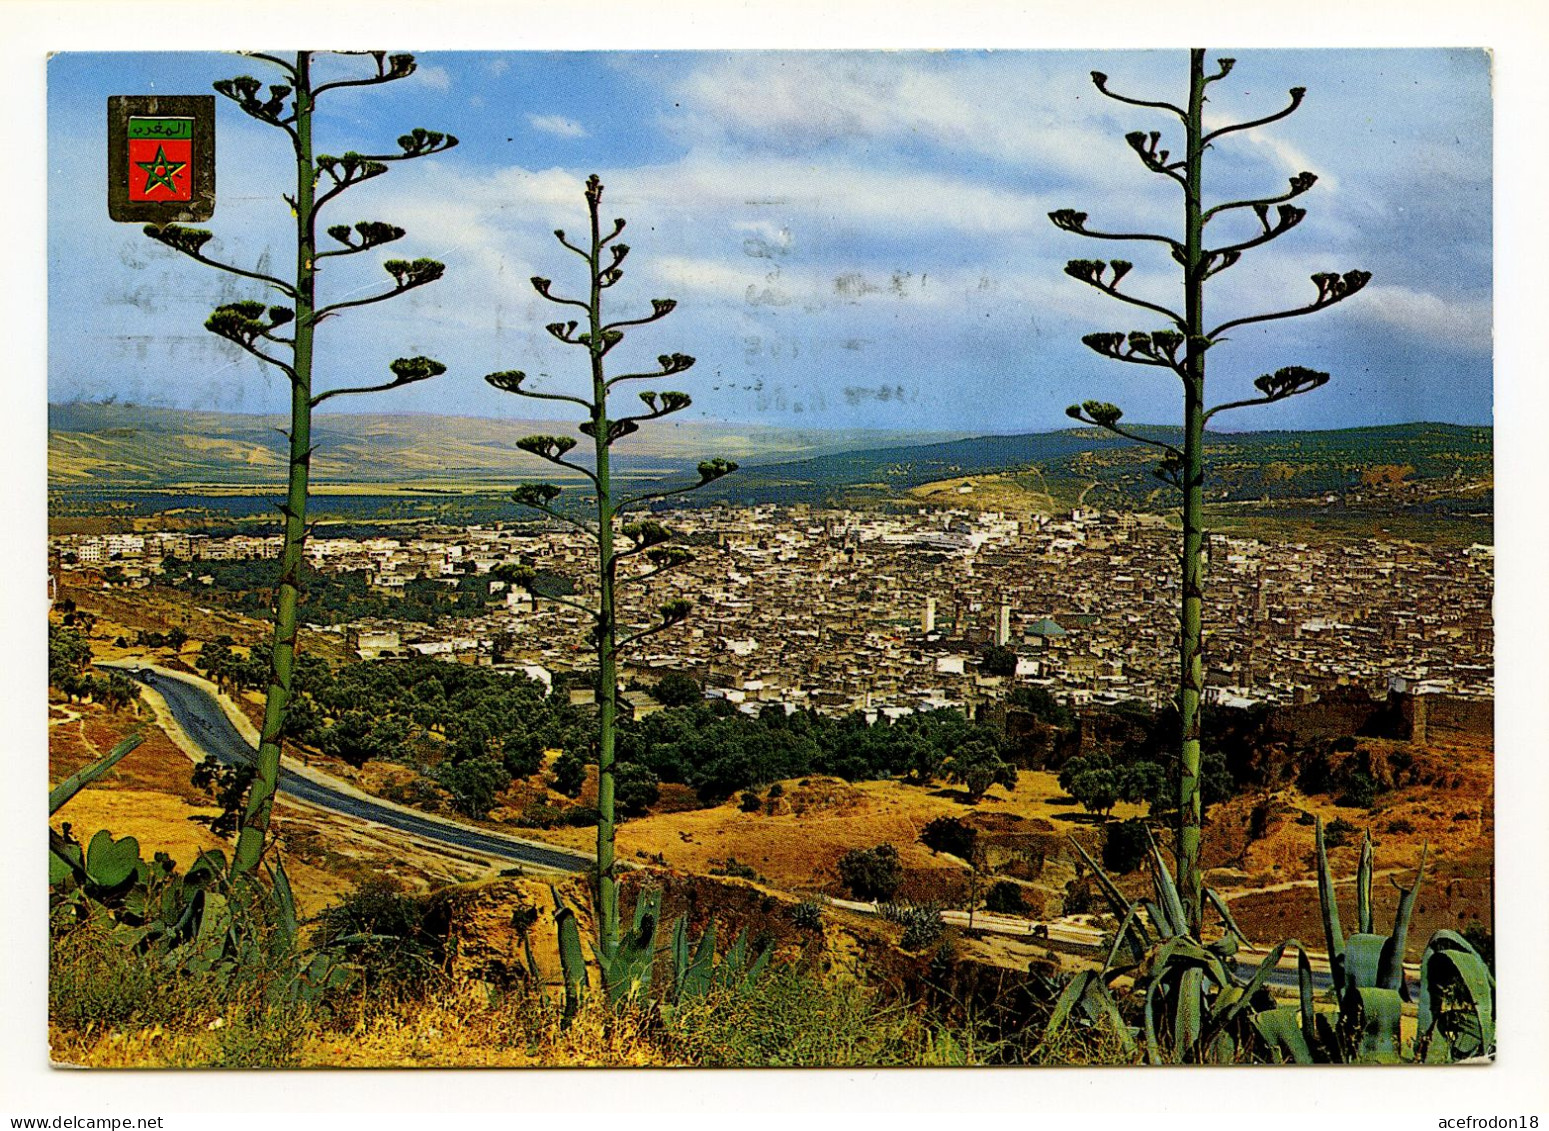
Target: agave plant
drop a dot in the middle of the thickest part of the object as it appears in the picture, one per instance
(1199, 1005)
(627, 975)
(1455, 999)
(1195, 1004)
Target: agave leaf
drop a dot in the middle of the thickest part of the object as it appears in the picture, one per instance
(1138, 939)
(759, 964)
(1226, 1011)
(1470, 1031)
(214, 924)
(72, 785)
(1215, 900)
(572, 962)
(1184, 953)
(1363, 959)
(731, 965)
(1472, 976)
(284, 898)
(1188, 1020)
(1119, 937)
(1167, 891)
(1329, 905)
(1390, 974)
(648, 908)
(1378, 1014)
(1098, 1004)
(1066, 1002)
(1154, 913)
(1363, 886)
(1280, 1029)
(699, 977)
(679, 952)
(1220, 1049)
(1153, 1048)
(534, 974)
(1304, 997)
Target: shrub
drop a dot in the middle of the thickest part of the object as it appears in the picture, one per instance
(776, 791)
(1078, 898)
(1004, 898)
(871, 873)
(473, 783)
(808, 915)
(582, 816)
(951, 835)
(635, 787)
(542, 815)
(749, 802)
(792, 1019)
(735, 868)
(1338, 832)
(1124, 846)
(1360, 791)
(1403, 825)
(677, 690)
(394, 953)
(921, 922)
(569, 774)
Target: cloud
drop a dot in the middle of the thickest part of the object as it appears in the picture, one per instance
(556, 125)
(818, 101)
(1461, 323)
(437, 78)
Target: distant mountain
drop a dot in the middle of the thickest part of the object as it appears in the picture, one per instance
(1077, 462)
(128, 446)
(1424, 467)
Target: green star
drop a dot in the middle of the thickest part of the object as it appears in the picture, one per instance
(160, 170)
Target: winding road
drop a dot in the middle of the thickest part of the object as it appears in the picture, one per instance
(208, 727)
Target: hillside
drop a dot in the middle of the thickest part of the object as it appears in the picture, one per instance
(123, 463)
(1244, 465)
(129, 446)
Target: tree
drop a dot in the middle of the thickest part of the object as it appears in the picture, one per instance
(474, 783)
(636, 789)
(999, 660)
(677, 690)
(255, 326)
(569, 774)
(871, 873)
(119, 691)
(68, 656)
(1182, 348)
(976, 765)
(1042, 705)
(646, 538)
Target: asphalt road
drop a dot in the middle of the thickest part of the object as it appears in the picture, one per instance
(203, 720)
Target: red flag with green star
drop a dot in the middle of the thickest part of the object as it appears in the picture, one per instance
(161, 155)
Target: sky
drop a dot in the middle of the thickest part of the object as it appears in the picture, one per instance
(854, 239)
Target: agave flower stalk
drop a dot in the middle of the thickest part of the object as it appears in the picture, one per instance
(260, 329)
(617, 539)
(1180, 347)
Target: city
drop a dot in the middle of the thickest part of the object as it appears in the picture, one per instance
(846, 611)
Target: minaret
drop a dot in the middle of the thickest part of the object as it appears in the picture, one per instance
(1003, 626)
(928, 618)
